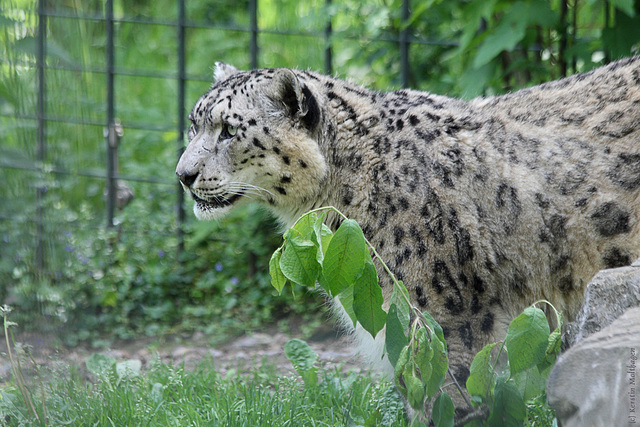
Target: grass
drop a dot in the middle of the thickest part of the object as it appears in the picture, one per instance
(105, 392)
(167, 395)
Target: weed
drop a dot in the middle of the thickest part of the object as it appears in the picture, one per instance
(16, 368)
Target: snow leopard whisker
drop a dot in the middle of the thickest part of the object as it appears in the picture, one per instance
(249, 188)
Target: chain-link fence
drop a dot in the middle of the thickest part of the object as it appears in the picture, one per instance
(94, 95)
(36, 118)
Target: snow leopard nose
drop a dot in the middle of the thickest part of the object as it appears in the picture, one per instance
(187, 179)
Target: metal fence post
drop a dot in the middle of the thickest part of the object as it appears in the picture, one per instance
(404, 45)
(328, 54)
(182, 78)
(110, 131)
(607, 20)
(42, 134)
(253, 42)
(562, 43)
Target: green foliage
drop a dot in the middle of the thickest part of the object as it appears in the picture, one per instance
(344, 260)
(481, 372)
(471, 48)
(507, 383)
(367, 300)
(303, 359)
(514, 389)
(442, 410)
(167, 395)
(508, 407)
(100, 364)
(130, 281)
(512, 29)
(345, 269)
(107, 368)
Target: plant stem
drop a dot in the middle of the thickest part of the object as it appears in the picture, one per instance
(15, 367)
(558, 314)
(455, 381)
(482, 413)
(42, 396)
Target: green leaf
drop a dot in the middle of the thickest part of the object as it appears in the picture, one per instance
(534, 12)
(344, 259)
(326, 235)
(128, 369)
(416, 13)
(527, 339)
(439, 365)
(306, 224)
(367, 301)
(310, 377)
(157, 393)
(620, 39)
(551, 353)
(443, 411)
(473, 14)
(554, 342)
(346, 299)
(530, 383)
(474, 80)
(436, 328)
(481, 373)
(278, 279)
(99, 364)
(423, 353)
(321, 236)
(395, 338)
(415, 387)
(508, 407)
(301, 356)
(505, 37)
(626, 6)
(400, 298)
(298, 262)
(513, 28)
(399, 368)
(110, 299)
(389, 406)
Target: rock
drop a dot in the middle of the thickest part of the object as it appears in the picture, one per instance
(180, 352)
(609, 294)
(215, 353)
(254, 340)
(594, 383)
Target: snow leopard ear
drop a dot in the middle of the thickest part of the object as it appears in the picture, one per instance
(298, 101)
(223, 71)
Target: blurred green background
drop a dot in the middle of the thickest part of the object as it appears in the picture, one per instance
(64, 271)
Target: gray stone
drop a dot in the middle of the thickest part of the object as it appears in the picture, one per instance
(609, 294)
(594, 383)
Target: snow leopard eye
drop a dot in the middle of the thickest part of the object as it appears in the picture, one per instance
(193, 129)
(228, 131)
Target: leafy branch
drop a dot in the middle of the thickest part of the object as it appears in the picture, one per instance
(16, 368)
(342, 264)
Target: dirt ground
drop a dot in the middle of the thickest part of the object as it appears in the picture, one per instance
(241, 353)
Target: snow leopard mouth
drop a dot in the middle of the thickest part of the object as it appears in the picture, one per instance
(216, 202)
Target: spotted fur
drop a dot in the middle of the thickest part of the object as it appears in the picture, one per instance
(480, 207)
